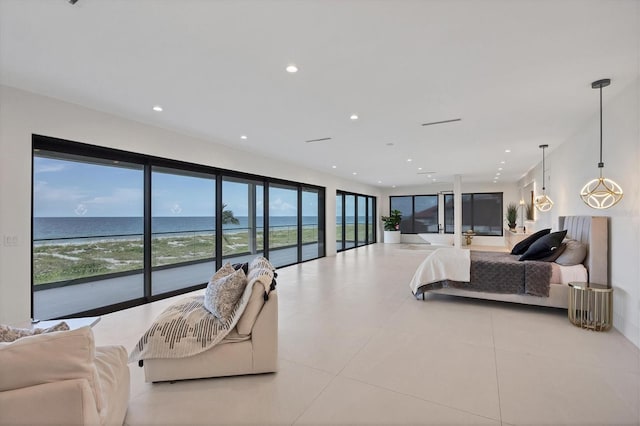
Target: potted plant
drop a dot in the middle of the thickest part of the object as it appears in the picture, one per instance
(512, 215)
(392, 227)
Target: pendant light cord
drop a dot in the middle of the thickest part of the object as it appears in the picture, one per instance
(543, 188)
(601, 164)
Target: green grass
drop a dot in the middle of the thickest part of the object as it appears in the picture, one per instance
(67, 261)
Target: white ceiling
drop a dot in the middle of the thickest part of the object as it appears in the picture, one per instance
(517, 72)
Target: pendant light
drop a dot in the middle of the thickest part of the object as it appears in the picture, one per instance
(601, 193)
(543, 202)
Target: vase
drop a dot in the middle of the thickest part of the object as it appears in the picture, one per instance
(391, 237)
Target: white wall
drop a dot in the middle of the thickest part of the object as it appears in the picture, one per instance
(574, 163)
(23, 114)
(510, 194)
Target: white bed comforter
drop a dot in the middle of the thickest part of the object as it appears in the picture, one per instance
(443, 264)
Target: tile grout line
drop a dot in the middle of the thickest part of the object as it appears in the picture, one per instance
(495, 360)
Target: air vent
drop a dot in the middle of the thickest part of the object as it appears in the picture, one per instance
(318, 140)
(426, 173)
(442, 122)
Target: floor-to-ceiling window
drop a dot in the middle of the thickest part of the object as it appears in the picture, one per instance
(283, 224)
(87, 248)
(340, 222)
(481, 212)
(355, 215)
(242, 218)
(419, 213)
(183, 240)
(113, 229)
(312, 224)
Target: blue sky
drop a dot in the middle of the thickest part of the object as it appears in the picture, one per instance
(66, 189)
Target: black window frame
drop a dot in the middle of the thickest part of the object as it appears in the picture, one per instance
(366, 214)
(447, 225)
(101, 153)
(412, 223)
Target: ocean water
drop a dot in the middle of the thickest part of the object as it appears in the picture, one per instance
(45, 228)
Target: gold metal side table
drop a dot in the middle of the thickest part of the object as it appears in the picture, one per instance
(591, 305)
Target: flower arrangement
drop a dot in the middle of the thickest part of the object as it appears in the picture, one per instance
(392, 222)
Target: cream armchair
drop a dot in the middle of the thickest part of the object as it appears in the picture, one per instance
(63, 378)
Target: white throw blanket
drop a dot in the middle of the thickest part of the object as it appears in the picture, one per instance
(443, 264)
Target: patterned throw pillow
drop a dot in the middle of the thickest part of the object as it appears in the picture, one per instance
(226, 269)
(222, 294)
(260, 262)
(10, 334)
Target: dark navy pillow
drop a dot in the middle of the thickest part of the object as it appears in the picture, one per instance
(545, 246)
(523, 245)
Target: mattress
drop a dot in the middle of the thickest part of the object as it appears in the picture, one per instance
(565, 274)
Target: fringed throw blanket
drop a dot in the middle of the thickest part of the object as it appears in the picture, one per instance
(186, 328)
(495, 272)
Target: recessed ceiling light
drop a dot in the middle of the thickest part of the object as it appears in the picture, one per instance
(379, 181)
(354, 173)
(334, 167)
(495, 181)
(498, 174)
(409, 160)
(292, 69)
(157, 108)
(428, 176)
(507, 151)
(502, 162)
(393, 186)
(354, 116)
(434, 179)
(499, 168)
(243, 137)
(419, 168)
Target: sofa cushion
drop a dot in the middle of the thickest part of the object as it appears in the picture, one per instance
(10, 334)
(50, 357)
(251, 312)
(223, 293)
(111, 362)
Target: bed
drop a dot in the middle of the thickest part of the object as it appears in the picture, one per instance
(590, 230)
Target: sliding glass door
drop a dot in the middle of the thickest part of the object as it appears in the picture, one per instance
(355, 220)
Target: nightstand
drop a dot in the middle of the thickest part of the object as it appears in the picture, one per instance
(590, 305)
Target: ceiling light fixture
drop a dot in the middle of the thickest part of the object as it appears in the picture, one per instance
(291, 69)
(601, 193)
(157, 108)
(333, 167)
(543, 202)
(409, 160)
(499, 168)
(354, 116)
(502, 162)
(419, 168)
(354, 173)
(243, 137)
(507, 151)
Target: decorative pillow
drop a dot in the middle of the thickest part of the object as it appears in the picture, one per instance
(250, 314)
(523, 245)
(10, 334)
(226, 269)
(544, 246)
(554, 255)
(260, 262)
(244, 266)
(222, 294)
(573, 255)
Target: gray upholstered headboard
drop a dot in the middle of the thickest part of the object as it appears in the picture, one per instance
(593, 231)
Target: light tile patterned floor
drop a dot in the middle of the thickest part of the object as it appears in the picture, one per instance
(357, 348)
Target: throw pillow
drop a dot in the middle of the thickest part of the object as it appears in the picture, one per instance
(545, 246)
(260, 262)
(523, 245)
(10, 334)
(226, 269)
(222, 294)
(574, 253)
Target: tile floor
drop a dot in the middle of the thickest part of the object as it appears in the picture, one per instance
(357, 348)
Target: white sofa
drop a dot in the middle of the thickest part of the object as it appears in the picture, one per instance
(62, 378)
(250, 348)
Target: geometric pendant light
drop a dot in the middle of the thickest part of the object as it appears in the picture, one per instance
(543, 202)
(601, 193)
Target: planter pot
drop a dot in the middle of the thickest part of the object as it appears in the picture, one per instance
(392, 237)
